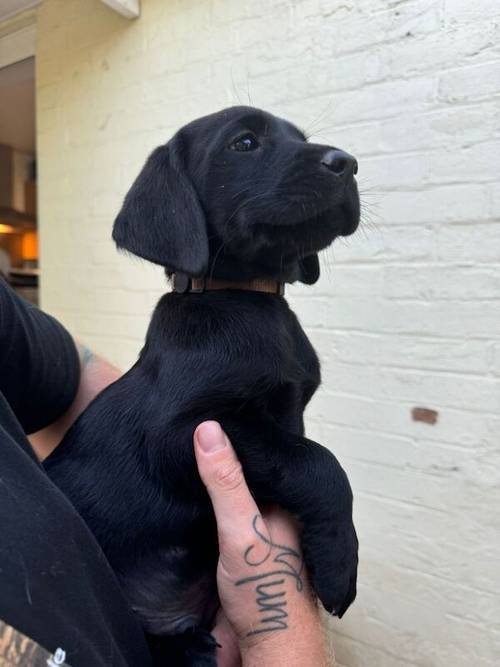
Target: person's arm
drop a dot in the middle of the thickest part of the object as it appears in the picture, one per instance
(47, 379)
(39, 366)
(95, 375)
(272, 615)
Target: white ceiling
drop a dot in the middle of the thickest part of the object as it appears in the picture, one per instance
(17, 110)
(11, 7)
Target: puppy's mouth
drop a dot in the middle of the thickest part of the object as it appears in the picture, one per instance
(303, 235)
(327, 218)
(351, 211)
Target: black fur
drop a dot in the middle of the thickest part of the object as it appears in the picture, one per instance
(203, 206)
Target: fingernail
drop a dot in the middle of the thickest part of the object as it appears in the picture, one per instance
(210, 437)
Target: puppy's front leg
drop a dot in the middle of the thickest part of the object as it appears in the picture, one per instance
(307, 480)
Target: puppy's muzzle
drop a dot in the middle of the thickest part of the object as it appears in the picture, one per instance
(344, 167)
(340, 163)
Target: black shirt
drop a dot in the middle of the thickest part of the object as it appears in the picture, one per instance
(56, 586)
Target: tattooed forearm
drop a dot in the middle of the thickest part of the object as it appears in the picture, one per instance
(270, 585)
(86, 355)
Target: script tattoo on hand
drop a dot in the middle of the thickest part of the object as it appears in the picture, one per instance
(270, 586)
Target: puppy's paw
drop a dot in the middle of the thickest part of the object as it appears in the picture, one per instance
(331, 557)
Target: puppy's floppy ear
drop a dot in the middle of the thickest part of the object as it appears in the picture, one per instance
(309, 269)
(161, 218)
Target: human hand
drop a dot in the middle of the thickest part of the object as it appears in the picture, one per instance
(269, 612)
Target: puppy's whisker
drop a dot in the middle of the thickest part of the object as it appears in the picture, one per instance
(309, 128)
(235, 90)
(366, 183)
(372, 197)
(326, 138)
(249, 187)
(370, 205)
(247, 201)
(372, 218)
(248, 91)
(366, 227)
(363, 178)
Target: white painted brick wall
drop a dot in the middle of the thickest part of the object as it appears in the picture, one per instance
(407, 313)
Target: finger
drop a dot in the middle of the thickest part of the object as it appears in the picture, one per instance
(222, 474)
(219, 468)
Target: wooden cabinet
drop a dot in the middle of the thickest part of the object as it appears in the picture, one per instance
(17, 187)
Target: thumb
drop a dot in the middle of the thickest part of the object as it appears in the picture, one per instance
(221, 472)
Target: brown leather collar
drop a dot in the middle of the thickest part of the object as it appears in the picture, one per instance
(183, 283)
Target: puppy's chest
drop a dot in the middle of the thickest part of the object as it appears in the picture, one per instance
(241, 339)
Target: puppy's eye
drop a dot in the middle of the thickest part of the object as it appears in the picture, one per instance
(245, 143)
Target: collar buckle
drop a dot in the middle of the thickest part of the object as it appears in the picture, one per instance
(181, 283)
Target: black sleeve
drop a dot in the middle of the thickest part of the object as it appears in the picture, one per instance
(56, 586)
(39, 365)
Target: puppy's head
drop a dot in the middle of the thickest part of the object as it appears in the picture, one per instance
(240, 194)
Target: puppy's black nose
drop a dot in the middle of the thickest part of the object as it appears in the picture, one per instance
(340, 162)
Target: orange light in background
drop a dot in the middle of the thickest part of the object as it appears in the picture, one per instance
(29, 246)
(7, 229)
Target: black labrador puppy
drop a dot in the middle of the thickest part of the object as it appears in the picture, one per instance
(234, 206)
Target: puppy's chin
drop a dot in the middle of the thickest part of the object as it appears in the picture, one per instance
(343, 216)
(342, 219)
(303, 235)
(351, 212)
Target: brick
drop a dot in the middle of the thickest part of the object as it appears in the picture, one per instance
(495, 364)
(454, 203)
(455, 426)
(477, 80)
(383, 100)
(468, 165)
(446, 318)
(408, 596)
(346, 280)
(378, 243)
(400, 351)
(442, 282)
(458, 12)
(391, 23)
(430, 388)
(120, 300)
(469, 243)
(449, 127)
(438, 50)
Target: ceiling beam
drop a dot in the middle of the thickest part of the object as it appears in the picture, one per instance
(131, 9)
(17, 45)
(10, 8)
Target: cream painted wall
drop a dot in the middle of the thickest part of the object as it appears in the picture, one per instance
(407, 313)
